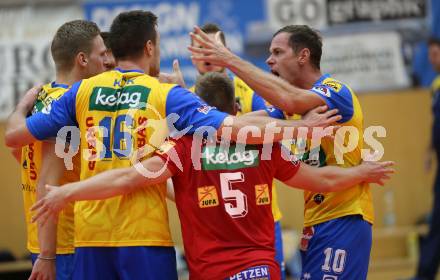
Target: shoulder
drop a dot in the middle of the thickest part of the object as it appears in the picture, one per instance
(336, 86)
(104, 76)
(45, 92)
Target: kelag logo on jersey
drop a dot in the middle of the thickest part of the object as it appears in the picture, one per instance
(111, 100)
(215, 158)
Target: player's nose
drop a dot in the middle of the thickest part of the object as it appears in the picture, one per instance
(270, 61)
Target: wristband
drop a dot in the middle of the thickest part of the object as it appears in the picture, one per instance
(46, 258)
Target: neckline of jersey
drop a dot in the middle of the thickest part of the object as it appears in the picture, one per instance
(56, 85)
(129, 70)
(322, 78)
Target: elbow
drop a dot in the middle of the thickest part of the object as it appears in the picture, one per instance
(10, 140)
(290, 104)
(14, 141)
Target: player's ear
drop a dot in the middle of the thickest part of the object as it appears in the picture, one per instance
(236, 108)
(81, 59)
(303, 56)
(149, 48)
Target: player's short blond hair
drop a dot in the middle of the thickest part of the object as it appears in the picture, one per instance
(70, 39)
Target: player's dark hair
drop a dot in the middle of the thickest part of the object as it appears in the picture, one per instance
(302, 36)
(130, 31)
(216, 90)
(106, 37)
(212, 28)
(433, 41)
(71, 38)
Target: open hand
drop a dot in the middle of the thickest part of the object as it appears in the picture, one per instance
(43, 270)
(321, 117)
(212, 51)
(50, 205)
(377, 172)
(29, 98)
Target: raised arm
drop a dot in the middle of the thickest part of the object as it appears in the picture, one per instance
(104, 185)
(272, 88)
(333, 178)
(193, 114)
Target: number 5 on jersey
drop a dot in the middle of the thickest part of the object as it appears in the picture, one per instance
(229, 194)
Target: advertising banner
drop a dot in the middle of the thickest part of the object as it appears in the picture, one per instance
(25, 58)
(350, 11)
(177, 19)
(366, 62)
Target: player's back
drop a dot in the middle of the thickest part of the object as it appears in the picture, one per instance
(121, 116)
(31, 162)
(224, 200)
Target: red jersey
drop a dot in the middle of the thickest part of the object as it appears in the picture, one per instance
(223, 197)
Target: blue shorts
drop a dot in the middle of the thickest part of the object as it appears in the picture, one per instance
(279, 256)
(125, 263)
(63, 264)
(336, 250)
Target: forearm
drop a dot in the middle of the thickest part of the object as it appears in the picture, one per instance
(51, 172)
(104, 185)
(251, 129)
(273, 89)
(47, 238)
(338, 178)
(15, 128)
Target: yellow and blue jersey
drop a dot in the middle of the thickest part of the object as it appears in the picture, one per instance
(123, 115)
(31, 159)
(321, 207)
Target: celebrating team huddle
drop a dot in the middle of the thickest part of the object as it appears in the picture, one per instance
(220, 143)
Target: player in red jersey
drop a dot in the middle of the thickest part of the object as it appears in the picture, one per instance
(223, 193)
